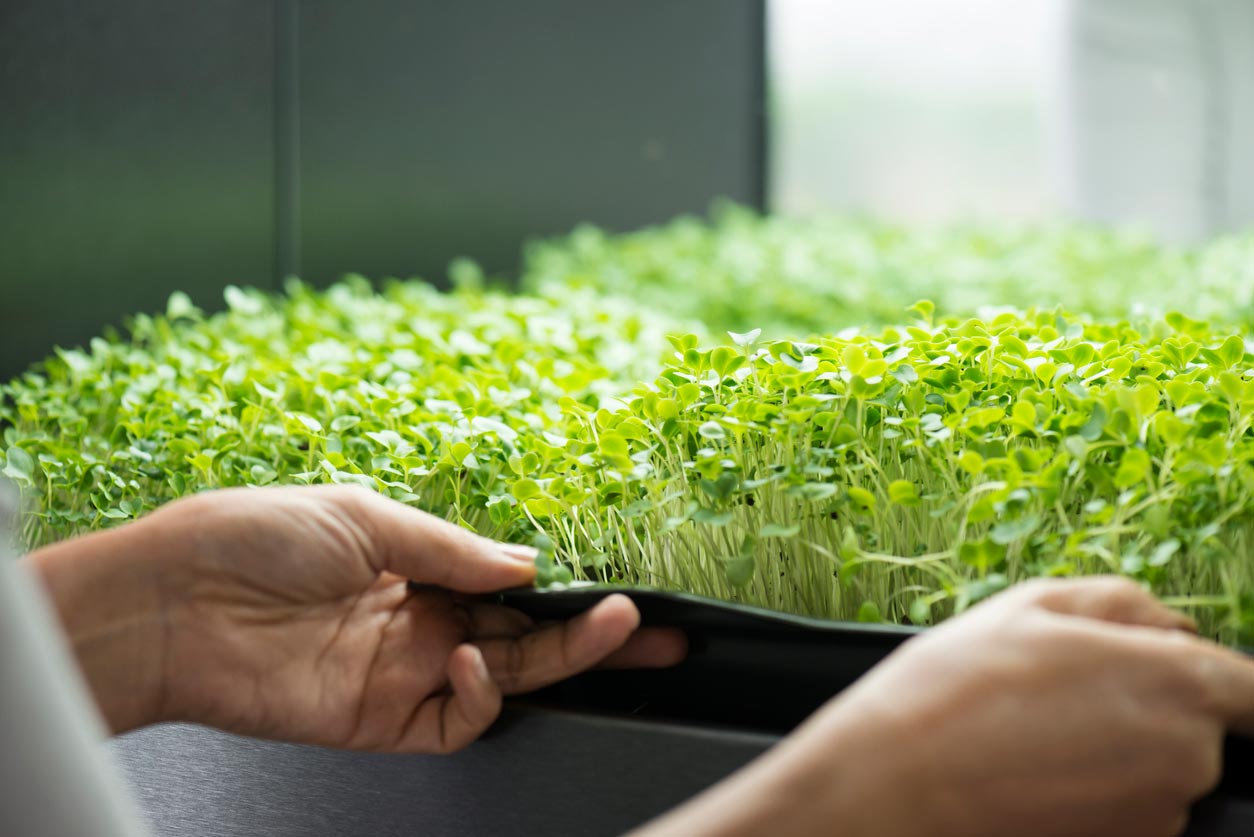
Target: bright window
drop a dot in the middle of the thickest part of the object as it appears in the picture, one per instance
(916, 109)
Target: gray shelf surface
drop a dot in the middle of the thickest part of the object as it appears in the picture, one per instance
(538, 772)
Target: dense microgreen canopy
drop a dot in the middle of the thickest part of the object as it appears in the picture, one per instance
(425, 396)
(899, 471)
(906, 474)
(796, 276)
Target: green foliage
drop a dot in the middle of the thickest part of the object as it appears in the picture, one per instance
(896, 473)
(796, 276)
(1030, 445)
(445, 400)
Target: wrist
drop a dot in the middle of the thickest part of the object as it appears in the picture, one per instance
(869, 758)
(110, 590)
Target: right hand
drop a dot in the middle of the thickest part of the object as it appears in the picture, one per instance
(1079, 707)
(285, 612)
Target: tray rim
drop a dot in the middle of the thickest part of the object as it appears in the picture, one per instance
(592, 592)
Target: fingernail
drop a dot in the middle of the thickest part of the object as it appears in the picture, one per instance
(519, 552)
(481, 667)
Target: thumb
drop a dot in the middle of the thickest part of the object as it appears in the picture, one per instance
(426, 549)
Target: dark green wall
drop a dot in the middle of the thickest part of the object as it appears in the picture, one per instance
(150, 146)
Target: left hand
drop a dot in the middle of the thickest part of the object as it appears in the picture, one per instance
(1060, 708)
(286, 613)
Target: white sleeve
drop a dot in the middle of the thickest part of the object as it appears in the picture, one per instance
(55, 780)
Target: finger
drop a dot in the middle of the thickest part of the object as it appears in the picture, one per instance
(646, 648)
(556, 652)
(1226, 681)
(447, 723)
(491, 621)
(650, 648)
(426, 549)
(1218, 681)
(1108, 598)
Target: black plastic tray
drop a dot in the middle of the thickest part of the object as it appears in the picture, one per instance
(757, 670)
(749, 668)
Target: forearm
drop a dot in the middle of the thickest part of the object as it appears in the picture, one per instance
(109, 592)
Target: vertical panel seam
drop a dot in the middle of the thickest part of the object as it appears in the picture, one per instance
(286, 142)
(760, 108)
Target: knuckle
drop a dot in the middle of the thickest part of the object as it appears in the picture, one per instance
(1033, 593)
(1115, 591)
(1125, 597)
(351, 531)
(1122, 586)
(1179, 644)
(1210, 683)
(1189, 671)
(1038, 590)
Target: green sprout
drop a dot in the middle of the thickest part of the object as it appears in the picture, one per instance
(791, 276)
(910, 473)
(899, 471)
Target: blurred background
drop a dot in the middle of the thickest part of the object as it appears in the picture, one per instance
(916, 111)
(150, 147)
(1132, 112)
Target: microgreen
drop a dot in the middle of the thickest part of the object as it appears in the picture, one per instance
(790, 276)
(430, 398)
(898, 472)
(1041, 444)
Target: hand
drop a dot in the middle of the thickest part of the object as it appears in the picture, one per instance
(285, 613)
(1058, 708)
